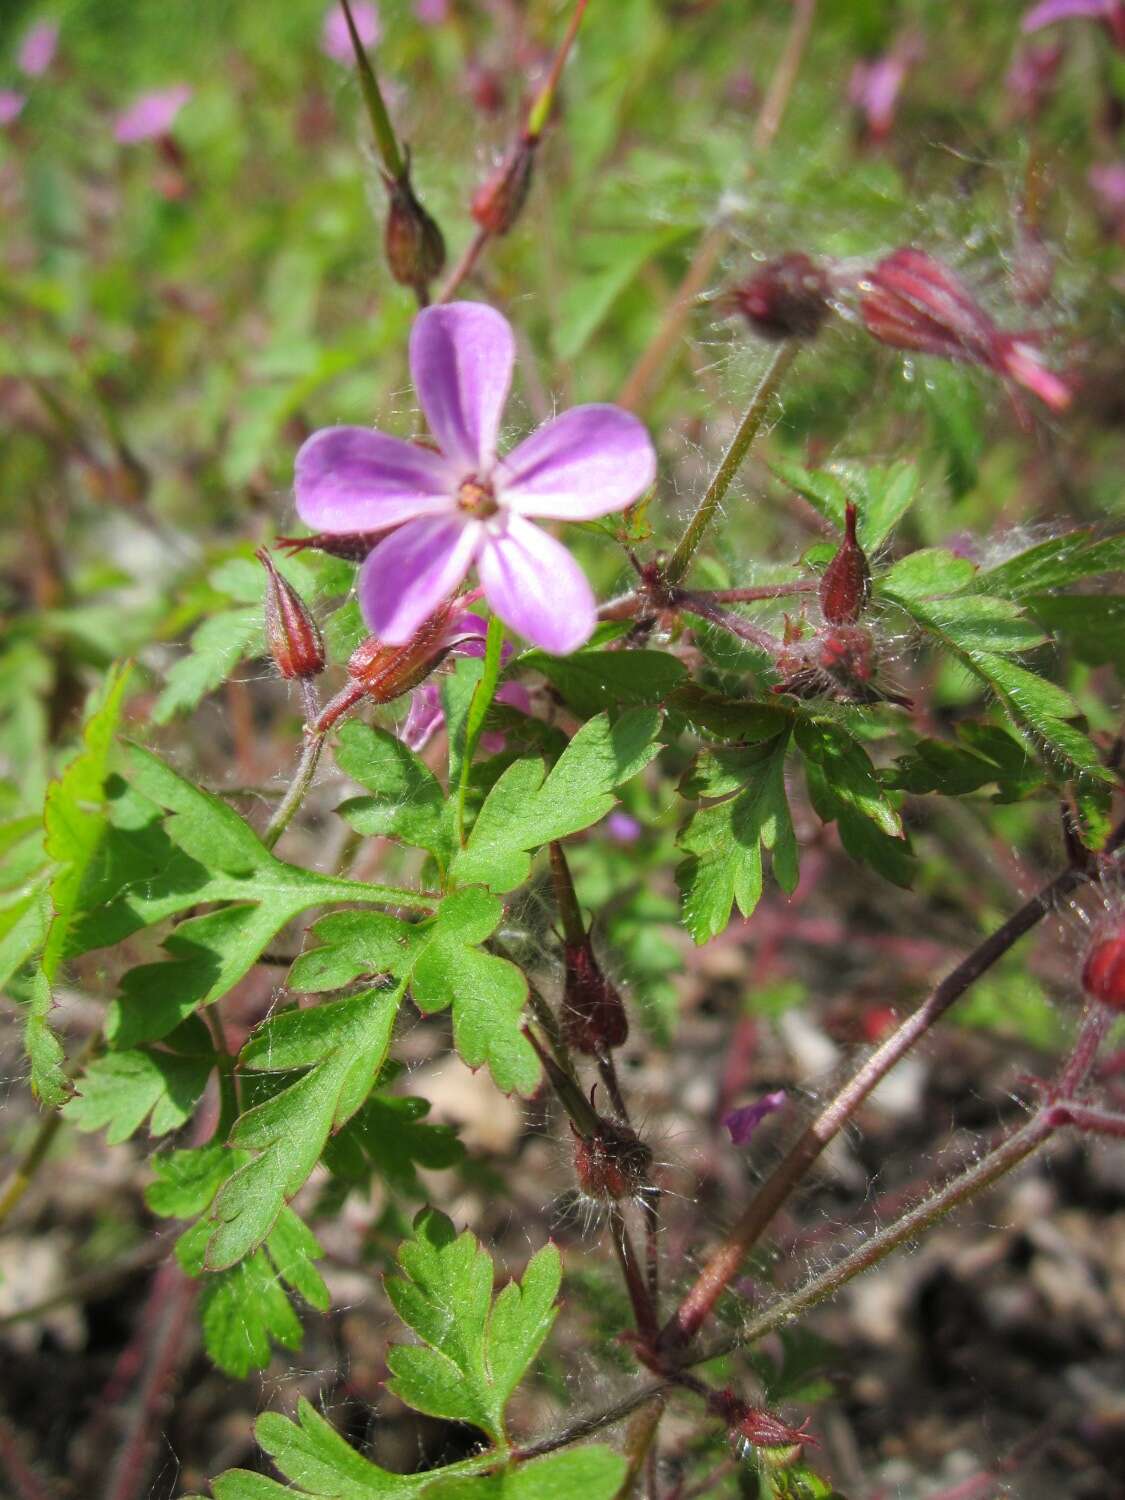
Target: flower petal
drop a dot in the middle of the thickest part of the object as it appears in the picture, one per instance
(1050, 11)
(412, 571)
(353, 479)
(461, 358)
(589, 462)
(537, 588)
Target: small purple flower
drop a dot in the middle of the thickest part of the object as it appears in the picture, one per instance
(743, 1122)
(874, 88)
(426, 714)
(11, 105)
(466, 505)
(1048, 12)
(622, 827)
(37, 48)
(152, 115)
(336, 39)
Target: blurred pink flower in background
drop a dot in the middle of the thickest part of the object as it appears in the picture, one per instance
(1032, 76)
(1048, 12)
(336, 39)
(37, 48)
(152, 115)
(876, 83)
(622, 827)
(431, 12)
(1108, 182)
(11, 106)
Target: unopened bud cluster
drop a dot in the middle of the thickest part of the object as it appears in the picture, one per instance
(908, 300)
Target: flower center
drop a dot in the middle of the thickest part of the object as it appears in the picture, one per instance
(477, 498)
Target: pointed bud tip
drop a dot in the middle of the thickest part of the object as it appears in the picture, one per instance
(292, 635)
(845, 586)
(499, 200)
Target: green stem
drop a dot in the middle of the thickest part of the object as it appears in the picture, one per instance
(748, 430)
(381, 126)
(298, 788)
(479, 704)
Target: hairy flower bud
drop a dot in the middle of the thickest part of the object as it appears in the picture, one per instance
(412, 241)
(292, 635)
(352, 546)
(846, 585)
(612, 1162)
(499, 200)
(386, 672)
(786, 299)
(1103, 973)
(912, 301)
(594, 1016)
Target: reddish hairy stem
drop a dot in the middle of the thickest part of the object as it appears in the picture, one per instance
(727, 620)
(643, 1311)
(465, 266)
(726, 1260)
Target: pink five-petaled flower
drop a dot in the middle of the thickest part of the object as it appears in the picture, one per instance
(336, 39)
(466, 504)
(152, 115)
(37, 48)
(1047, 12)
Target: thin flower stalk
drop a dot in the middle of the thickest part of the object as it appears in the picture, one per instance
(748, 429)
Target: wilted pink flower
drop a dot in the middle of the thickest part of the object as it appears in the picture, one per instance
(11, 105)
(912, 301)
(152, 115)
(37, 48)
(427, 715)
(1047, 12)
(336, 39)
(743, 1122)
(466, 504)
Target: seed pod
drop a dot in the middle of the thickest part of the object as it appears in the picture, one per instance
(846, 585)
(594, 1018)
(499, 200)
(412, 241)
(786, 299)
(1103, 973)
(292, 635)
(612, 1162)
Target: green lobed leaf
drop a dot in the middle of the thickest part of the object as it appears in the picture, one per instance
(474, 1350)
(390, 1136)
(591, 681)
(217, 646)
(443, 963)
(928, 573)
(527, 809)
(121, 1090)
(176, 846)
(407, 801)
(881, 496)
(1092, 625)
(724, 841)
(75, 821)
(1055, 563)
(343, 1045)
(592, 1473)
